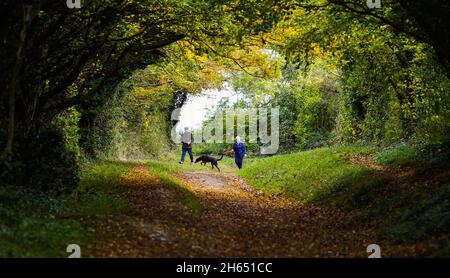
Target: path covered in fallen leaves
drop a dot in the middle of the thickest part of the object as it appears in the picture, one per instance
(236, 221)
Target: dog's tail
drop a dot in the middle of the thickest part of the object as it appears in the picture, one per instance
(220, 157)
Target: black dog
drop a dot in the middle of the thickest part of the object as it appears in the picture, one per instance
(205, 159)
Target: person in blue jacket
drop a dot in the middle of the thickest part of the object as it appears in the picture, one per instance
(239, 152)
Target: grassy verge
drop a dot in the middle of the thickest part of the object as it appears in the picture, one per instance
(424, 158)
(164, 171)
(34, 224)
(307, 176)
(407, 212)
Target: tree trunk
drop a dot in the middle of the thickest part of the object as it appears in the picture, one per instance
(14, 86)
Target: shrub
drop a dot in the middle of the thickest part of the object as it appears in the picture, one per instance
(48, 164)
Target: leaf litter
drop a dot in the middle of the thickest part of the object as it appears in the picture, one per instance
(237, 220)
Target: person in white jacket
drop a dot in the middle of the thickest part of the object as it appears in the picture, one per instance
(186, 145)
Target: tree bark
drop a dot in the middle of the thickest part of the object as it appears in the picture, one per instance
(14, 86)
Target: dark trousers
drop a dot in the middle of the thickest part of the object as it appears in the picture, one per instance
(183, 154)
(238, 159)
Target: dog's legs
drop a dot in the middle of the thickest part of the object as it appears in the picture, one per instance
(217, 167)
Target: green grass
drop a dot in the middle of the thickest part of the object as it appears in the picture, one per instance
(307, 176)
(34, 224)
(423, 158)
(398, 155)
(164, 171)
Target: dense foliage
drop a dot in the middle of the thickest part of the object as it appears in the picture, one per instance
(102, 80)
(55, 58)
(350, 77)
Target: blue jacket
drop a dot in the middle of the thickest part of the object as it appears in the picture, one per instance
(239, 150)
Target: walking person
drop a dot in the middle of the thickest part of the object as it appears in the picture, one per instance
(186, 145)
(239, 151)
